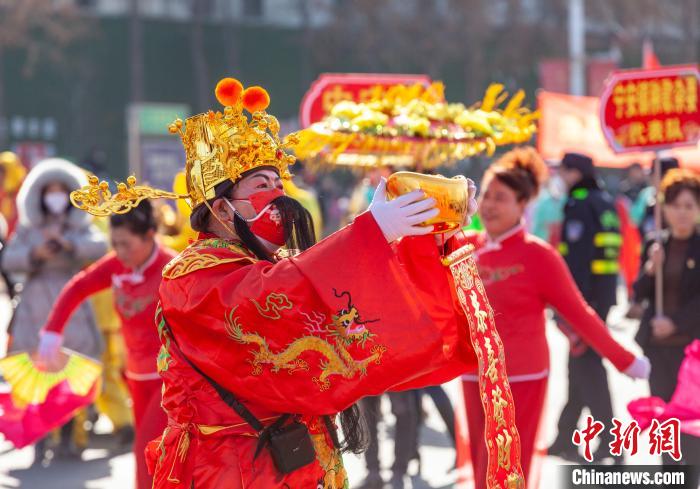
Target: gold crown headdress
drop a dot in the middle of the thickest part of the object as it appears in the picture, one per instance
(219, 146)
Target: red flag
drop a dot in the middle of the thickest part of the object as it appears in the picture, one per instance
(649, 59)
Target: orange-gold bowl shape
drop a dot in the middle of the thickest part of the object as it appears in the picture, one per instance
(451, 195)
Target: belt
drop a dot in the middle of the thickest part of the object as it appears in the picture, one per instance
(188, 431)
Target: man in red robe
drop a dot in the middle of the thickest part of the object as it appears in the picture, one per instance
(255, 340)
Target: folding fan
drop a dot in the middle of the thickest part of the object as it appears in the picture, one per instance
(34, 400)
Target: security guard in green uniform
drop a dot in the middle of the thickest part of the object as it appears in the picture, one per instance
(590, 245)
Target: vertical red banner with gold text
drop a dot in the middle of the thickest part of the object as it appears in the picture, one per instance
(500, 434)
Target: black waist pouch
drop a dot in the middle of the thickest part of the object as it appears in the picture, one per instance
(291, 447)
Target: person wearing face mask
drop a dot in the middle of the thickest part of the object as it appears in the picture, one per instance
(268, 336)
(133, 272)
(547, 213)
(52, 243)
(523, 275)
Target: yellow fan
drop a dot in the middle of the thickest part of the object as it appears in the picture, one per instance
(31, 384)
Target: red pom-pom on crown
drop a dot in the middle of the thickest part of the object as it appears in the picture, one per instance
(255, 98)
(228, 91)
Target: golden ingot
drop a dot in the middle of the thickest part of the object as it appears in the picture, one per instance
(451, 195)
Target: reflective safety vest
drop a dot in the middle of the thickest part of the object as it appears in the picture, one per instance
(591, 239)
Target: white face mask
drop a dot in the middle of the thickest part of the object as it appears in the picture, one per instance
(56, 202)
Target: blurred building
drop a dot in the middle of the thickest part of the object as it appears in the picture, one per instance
(283, 13)
(71, 98)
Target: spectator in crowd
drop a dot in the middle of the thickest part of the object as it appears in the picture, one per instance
(444, 407)
(628, 193)
(53, 241)
(405, 410)
(634, 182)
(665, 334)
(642, 210)
(548, 210)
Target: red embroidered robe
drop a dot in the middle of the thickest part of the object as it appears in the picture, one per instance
(309, 335)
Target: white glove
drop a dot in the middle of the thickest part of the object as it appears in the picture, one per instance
(49, 347)
(639, 369)
(399, 217)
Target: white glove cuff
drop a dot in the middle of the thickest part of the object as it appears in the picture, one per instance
(640, 368)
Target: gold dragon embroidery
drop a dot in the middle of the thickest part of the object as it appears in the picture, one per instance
(346, 328)
(331, 462)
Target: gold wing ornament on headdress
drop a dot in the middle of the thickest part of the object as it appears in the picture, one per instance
(97, 199)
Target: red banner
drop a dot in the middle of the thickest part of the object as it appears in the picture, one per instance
(571, 123)
(331, 88)
(650, 110)
(500, 432)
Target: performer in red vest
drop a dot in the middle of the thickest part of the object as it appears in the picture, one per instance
(523, 275)
(133, 271)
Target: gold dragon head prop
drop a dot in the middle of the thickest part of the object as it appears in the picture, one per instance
(219, 146)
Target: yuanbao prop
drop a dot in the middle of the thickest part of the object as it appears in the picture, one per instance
(219, 146)
(451, 196)
(37, 401)
(414, 126)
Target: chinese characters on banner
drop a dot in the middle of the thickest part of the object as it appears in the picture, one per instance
(571, 123)
(331, 88)
(651, 109)
(663, 437)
